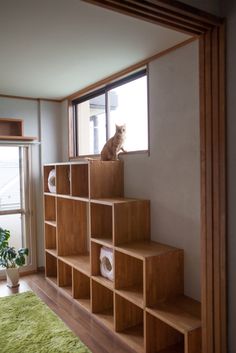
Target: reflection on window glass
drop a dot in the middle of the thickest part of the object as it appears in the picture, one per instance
(91, 125)
(131, 109)
(13, 223)
(10, 196)
(13, 178)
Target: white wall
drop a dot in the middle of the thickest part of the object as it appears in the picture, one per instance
(40, 119)
(170, 177)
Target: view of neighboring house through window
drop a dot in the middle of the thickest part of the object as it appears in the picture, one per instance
(120, 102)
(14, 202)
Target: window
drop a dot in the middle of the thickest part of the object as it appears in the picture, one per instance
(14, 193)
(96, 114)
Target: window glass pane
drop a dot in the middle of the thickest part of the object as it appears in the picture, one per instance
(128, 105)
(10, 180)
(91, 125)
(14, 224)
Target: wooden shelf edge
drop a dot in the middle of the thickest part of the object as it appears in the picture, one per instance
(18, 138)
(52, 252)
(104, 282)
(181, 313)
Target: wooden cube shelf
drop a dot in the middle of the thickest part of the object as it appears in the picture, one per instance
(163, 269)
(79, 180)
(81, 289)
(65, 277)
(145, 304)
(51, 267)
(50, 208)
(95, 265)
(129, 322)
(63, 179)
(72, 235)
(103, 304)
(50, 236)
(129, 278)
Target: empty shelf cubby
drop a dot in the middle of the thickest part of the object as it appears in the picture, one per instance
(51, 267)
(129, 277)
(79, 180)
(65, 277)
(101, 222)
(50, 236)
(50, 208)
(63, 179)
(103, 304)
(81, 289)
(160, 337)
(129, 322)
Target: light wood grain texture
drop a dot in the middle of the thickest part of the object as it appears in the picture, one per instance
(72, 235)
(160, 337)
(181, 313)
(129, 276)
(79, 262)
(164, 276)
(50, 266)
(101, 221)
(106, 179)
(81, 288)
(65, 276)
(63, 179)
(129, 323)
(193, 341)
(131, 221)
(79, 180)
(50, 236)
(144, 249)
(50, 208)
(102, 304)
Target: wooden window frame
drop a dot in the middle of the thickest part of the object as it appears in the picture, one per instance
(211, 32)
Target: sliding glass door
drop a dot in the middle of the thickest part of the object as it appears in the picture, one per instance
(15, 194)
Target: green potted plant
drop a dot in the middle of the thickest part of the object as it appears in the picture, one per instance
(10, 258)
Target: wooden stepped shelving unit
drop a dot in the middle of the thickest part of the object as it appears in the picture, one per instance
(145, 304)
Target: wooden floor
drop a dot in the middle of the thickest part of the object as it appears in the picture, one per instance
(96, 337)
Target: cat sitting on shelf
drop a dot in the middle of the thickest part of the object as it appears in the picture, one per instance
(114, 145)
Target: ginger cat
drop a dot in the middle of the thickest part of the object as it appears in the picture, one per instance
(114, 145)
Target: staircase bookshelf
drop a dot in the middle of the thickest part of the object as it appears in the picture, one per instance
(145, 305)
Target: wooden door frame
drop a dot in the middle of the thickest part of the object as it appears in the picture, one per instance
(211, 32)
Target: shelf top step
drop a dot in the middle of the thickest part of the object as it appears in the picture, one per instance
(113, 201)
(182, 313)
(79, 262)
(144, 249)
(52, 252)
(103, 241)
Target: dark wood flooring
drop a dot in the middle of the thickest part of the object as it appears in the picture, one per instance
(94, 335)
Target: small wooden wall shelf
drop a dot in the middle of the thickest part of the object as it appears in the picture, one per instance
(145, 305)
(12, 129)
